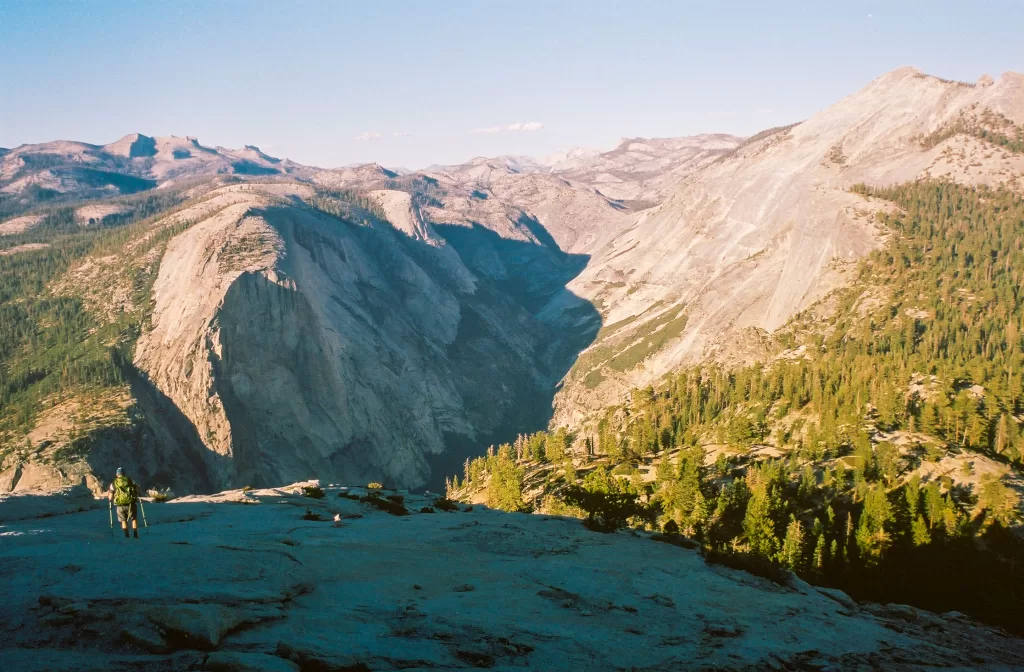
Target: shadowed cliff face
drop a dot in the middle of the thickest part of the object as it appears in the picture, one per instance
(272, 350)
(162, 450)
(303, 345)
(520, 278)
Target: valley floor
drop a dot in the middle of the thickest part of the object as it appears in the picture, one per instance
(241, 581)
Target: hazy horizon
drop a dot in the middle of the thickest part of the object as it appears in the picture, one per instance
(332, 85)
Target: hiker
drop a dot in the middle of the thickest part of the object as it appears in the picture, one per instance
(125, 495)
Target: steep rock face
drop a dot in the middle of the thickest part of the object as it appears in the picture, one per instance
(298, 343)
(765, 232)
(133, 146)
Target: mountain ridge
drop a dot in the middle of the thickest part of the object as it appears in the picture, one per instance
(759, 219)
(564, 286)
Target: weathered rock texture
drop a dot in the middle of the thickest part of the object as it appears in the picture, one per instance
(764, 232)
(298, 343)
(241, 581)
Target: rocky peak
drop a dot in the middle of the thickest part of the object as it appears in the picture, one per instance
(133, 146)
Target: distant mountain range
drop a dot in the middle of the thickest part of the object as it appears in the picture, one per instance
(216, 317)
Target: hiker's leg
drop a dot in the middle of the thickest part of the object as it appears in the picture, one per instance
(122, 517)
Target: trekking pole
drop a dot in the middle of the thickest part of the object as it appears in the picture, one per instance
(110, 514)
(143, 509)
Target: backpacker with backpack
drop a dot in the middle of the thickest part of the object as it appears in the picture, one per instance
(125, 491)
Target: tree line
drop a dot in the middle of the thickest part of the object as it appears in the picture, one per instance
(919, 368)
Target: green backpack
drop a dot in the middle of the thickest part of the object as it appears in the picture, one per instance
(124, 491)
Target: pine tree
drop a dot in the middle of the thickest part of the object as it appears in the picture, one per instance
(793, 545)
(520, 447)
(808, 484)
(556, 445)
(912, 492)
(1000, 502)
(872, 537)
(840, 474)
(819, 555)
(848, 542)
(536, 447)
(505, 487)
(919, 532)
(759, 525)
(933, 504)
(1006, 435)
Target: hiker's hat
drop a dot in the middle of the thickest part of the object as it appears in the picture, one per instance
(120, 471)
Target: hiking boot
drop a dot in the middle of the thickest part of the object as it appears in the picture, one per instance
(126, 533)
(136, 533)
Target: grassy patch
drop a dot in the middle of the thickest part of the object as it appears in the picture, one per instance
(624, 353)
(593, 379)
(659, 332)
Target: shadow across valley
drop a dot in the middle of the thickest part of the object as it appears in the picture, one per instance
(161, 448)
(343, 371)
(509, 396)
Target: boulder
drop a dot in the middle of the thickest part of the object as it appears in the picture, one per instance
(196, 626)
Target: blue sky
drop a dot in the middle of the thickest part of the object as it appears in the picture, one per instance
(414, 83)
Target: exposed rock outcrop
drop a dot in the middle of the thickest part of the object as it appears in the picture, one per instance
(299, 344)
(221, 585)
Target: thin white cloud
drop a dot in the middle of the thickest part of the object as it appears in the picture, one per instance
(517, 127)
(764, 110)
(368, 135)
(398, 134)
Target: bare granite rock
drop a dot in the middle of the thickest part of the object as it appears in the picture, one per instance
(260, 588)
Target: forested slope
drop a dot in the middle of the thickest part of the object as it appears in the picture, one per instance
(878, 450)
